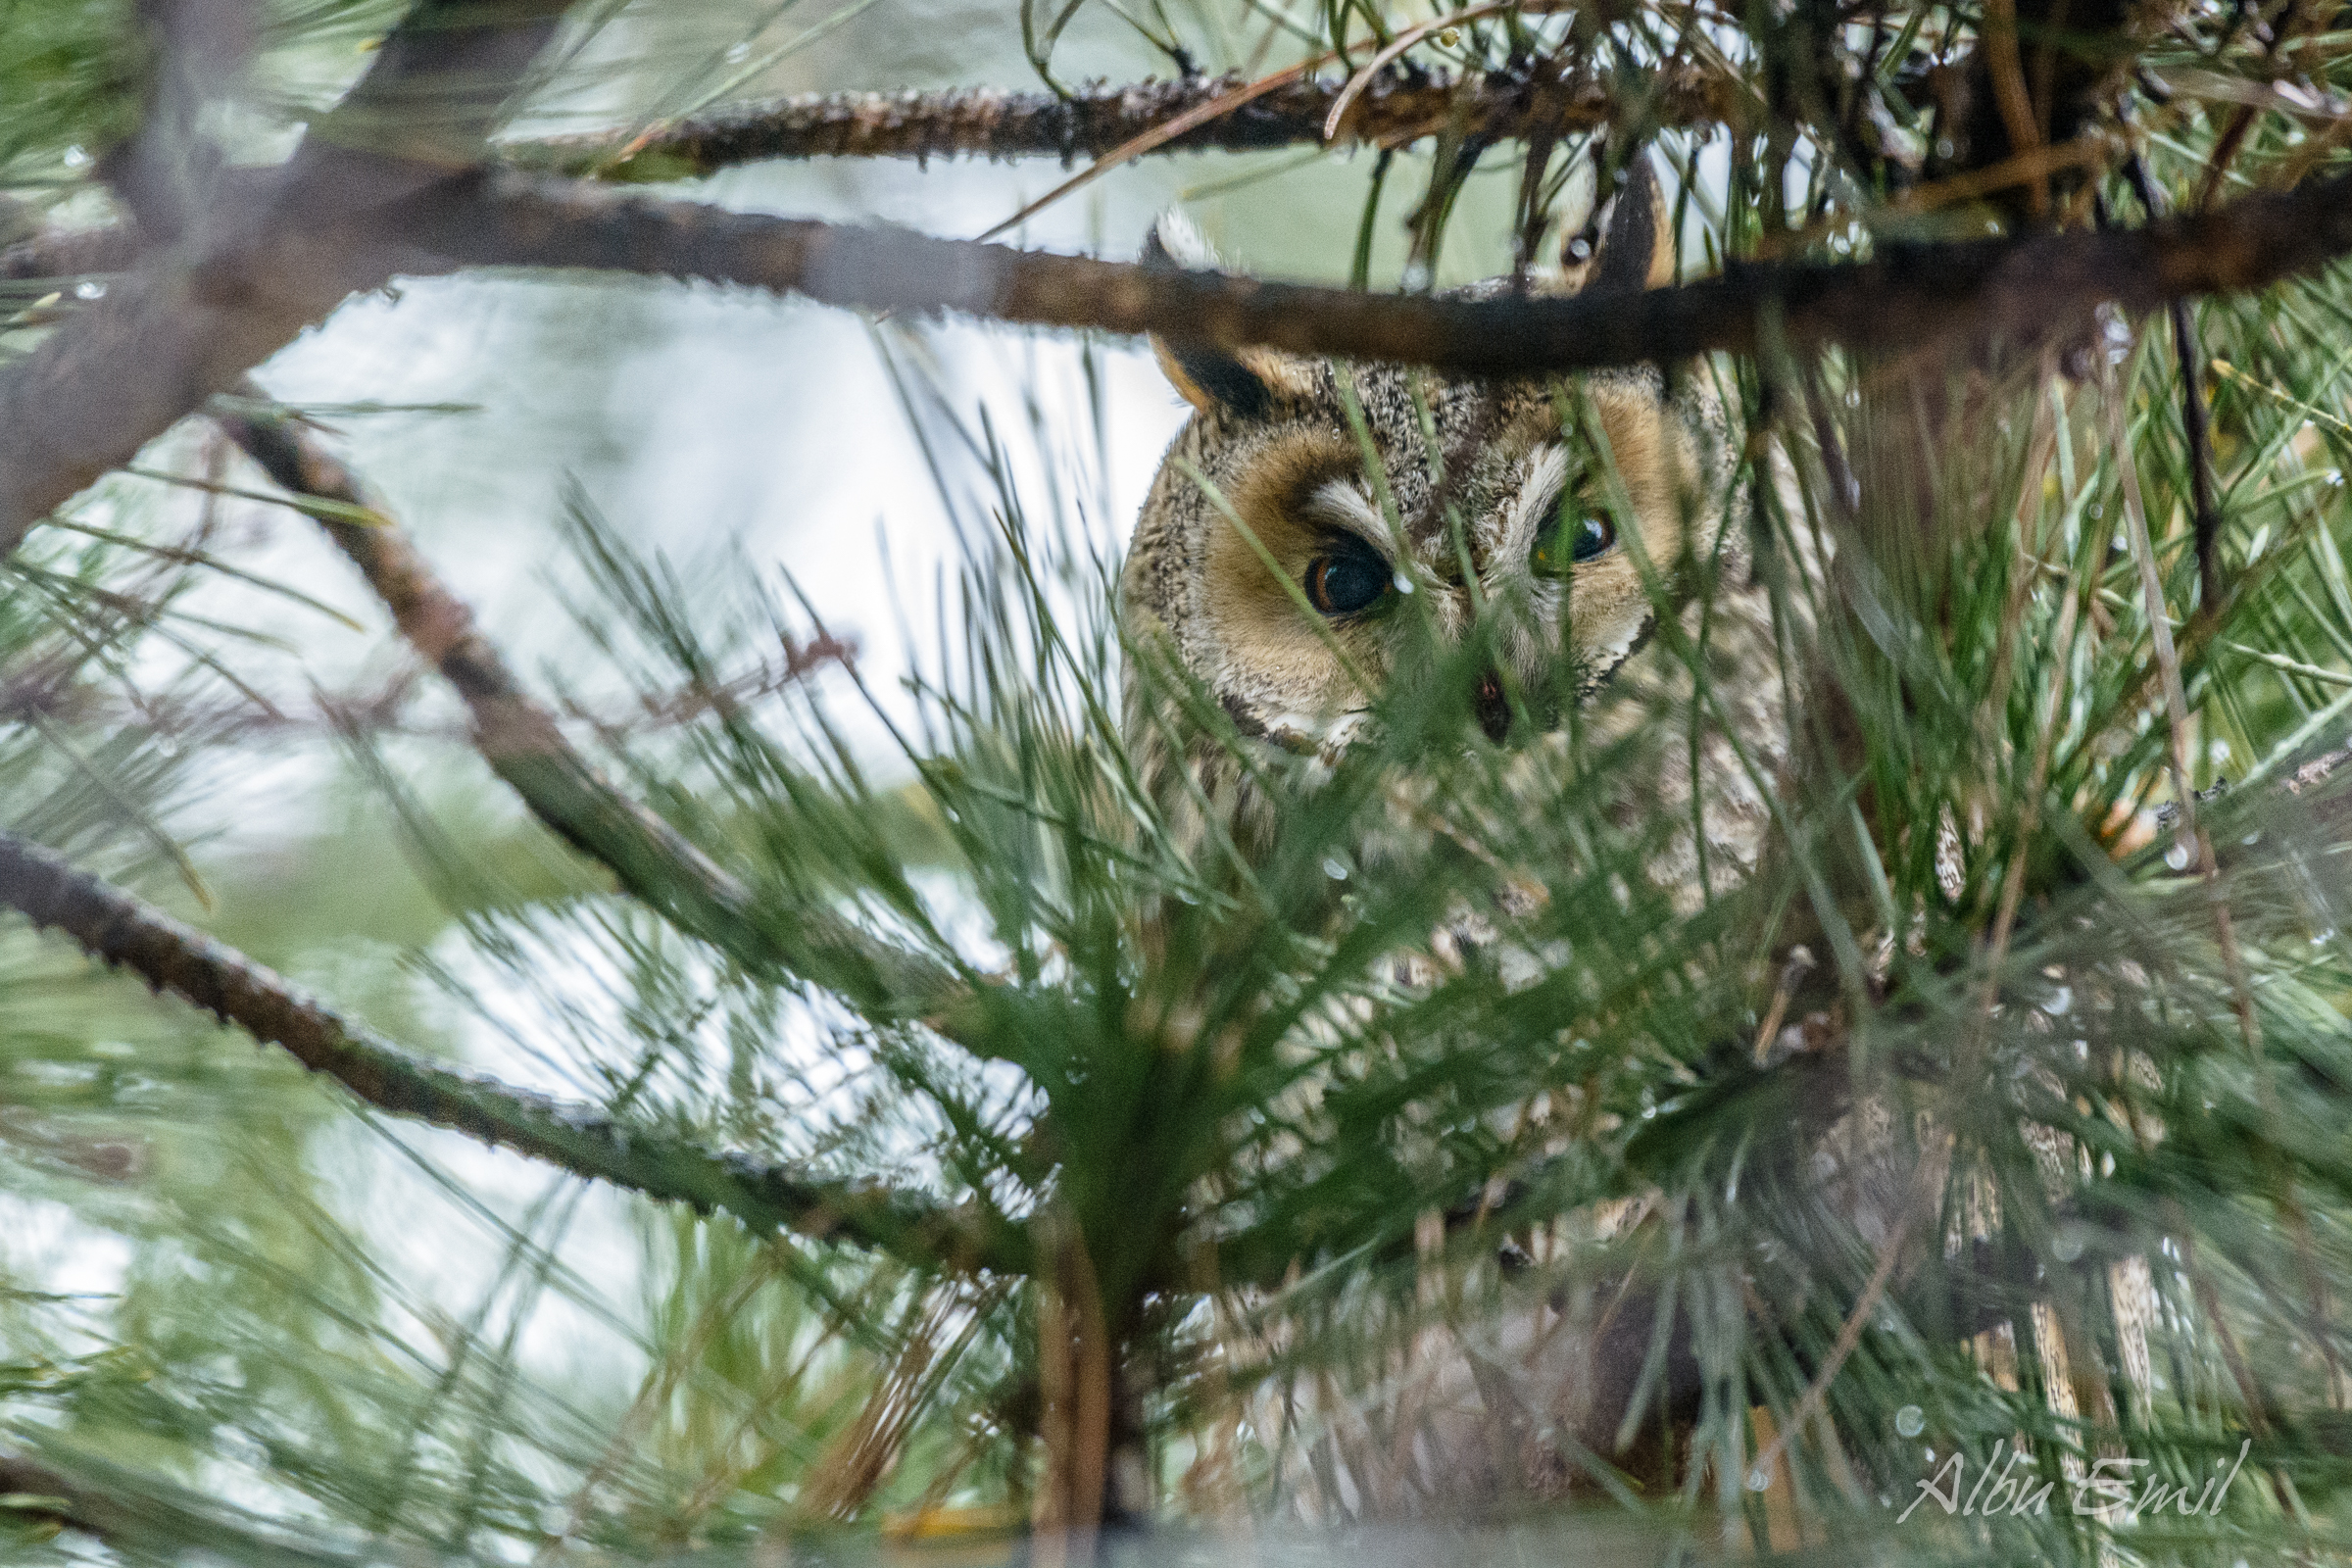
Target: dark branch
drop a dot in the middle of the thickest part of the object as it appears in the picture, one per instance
(38, 1494)
(978, 121)
(268, 253)
(70, 254)
(124, 370)
(112, 925)
(985, 122)
(1907, 297)
(2195, 423)
(519, 738)
(442, 81)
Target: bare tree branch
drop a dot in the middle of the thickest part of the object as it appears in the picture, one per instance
(1904, 298)
(72, 253)
(268, 253)
(127, 368)
(983, 121)
(978, 121)
(521, 740)
(198, 50)
(111, 924)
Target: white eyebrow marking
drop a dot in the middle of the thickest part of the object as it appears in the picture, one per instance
(1539, 492)
(1339, 504)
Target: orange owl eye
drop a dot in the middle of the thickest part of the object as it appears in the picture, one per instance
(1347, 579)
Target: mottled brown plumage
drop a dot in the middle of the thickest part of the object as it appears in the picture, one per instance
(1471, 477)
(1250, 569)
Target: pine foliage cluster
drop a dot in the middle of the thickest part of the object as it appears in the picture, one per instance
(1091, 1177)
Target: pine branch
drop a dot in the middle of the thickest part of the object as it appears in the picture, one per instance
(980, 122)
(112, 925)
(141, 1516)
(989, 123)
(521, 740)
(1907, 297)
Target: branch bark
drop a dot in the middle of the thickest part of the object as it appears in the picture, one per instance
(110, 924)
(37, 1494)
(989, 123)
(72, 253)
(268, 253)
(124, 370)
(2016, 290)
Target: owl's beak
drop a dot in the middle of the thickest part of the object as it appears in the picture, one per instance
(1493, 706)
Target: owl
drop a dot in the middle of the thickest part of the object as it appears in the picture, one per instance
(1305, 503)
(1313, 527)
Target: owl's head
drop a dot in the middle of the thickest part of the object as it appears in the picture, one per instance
(1316, 529)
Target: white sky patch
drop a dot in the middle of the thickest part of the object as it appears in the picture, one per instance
(450, 1257)
(45, 1247)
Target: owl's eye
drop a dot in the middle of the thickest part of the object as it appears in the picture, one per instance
(1572, 542)
(1348, 578)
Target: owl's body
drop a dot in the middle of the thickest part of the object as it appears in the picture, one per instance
(1319, 534)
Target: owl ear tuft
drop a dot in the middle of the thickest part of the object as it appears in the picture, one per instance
(1176, 240)
(1637, 242)
(1208, 377)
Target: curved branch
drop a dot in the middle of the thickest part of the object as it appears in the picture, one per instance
(118, 374)
(521, 740)
(268, 253)
(1905, 298)
(986, 123)
(111, 924)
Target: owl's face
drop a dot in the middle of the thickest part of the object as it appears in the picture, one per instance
(1300, 572)
(1299, 561)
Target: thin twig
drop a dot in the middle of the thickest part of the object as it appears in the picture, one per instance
(2195, 424)
(2009, 93)
(2225, 146)
(984, 123)
(112, 925)
(521, 740)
